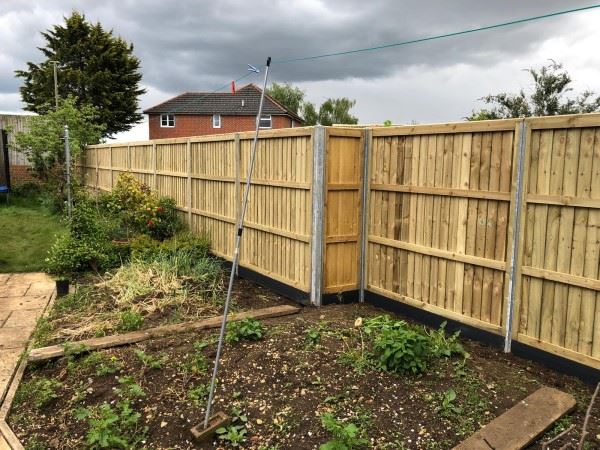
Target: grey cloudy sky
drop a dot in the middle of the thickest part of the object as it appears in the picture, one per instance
(200, 45)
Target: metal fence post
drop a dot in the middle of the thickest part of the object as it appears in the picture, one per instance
(364, 219)
(514, 253)
(318, 215)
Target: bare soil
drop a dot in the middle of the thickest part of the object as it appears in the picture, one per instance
(283, 385)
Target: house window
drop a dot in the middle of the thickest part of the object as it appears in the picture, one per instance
(265, 122)
(167, 120)
(216, 121)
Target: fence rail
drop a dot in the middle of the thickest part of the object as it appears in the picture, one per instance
(433, 206)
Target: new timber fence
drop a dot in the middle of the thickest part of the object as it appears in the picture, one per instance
(494, 224)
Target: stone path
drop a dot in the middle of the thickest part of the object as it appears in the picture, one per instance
(23, 297)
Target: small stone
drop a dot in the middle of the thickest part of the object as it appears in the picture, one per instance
(163, 424)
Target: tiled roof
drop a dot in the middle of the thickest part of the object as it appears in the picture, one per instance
(244, 102)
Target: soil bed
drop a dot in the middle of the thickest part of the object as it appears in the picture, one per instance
(283, 384)
(96, 314)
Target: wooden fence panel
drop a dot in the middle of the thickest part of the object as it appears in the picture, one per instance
(342, 209)
(209, 186)
(560, 288)
(438, 218)
(278, 219)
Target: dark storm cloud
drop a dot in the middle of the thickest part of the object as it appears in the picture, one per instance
(193, 45)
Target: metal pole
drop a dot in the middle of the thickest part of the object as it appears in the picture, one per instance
(55, 85)
(236, 251)
(515, 244)
(68, 171)
(364, 220)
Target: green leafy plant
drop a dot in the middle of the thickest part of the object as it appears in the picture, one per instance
(402, 350)
(149, 361)
(444, 346)
(248, 329)
(130, 320)
(100, 363)
(346, 436)
(129, 388)
(235, 433)
(197, 394)
(110, 427)
(448, 406)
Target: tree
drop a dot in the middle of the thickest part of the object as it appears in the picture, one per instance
(331, 111)
(289, 96)
(44, 144)
(551, 84)
(337, 110)
(94, 66)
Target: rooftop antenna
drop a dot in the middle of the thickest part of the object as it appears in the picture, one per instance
(235, 262)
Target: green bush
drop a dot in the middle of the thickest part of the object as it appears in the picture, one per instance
(87, 245)
(188, 245)
(140, 210)
(402, 350)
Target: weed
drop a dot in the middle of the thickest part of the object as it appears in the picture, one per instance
(99, 362)
(40, 391)
(448, 407)
(443, 346)
(72, 350)
(235, 433)
(248, 329)
(35, 444)
(561, 425)
(149, 361)
(112, 427)
(130, 321)
(401, 350)
(129, 388)
(198, 393)
(312, 336)
(43, 332)
(346, 436)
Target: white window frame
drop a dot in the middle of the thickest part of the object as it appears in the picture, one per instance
(164, 120)
(264, 117)
(216, 123)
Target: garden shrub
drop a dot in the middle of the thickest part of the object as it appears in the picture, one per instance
(140, 210)
(87, 245)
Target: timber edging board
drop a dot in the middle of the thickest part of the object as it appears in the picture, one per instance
(56, 351)
(523, 423)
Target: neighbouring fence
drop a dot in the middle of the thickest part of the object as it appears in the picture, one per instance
(433, 224)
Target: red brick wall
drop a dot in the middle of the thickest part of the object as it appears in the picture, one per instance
(190, 125)
(20, 175)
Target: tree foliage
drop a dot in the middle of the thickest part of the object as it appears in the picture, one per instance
(94, 66)
(551, 84)
(44, 144)
(337, 110)
(333, 110)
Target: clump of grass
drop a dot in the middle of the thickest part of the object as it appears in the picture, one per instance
(130, 321)
(41, 391)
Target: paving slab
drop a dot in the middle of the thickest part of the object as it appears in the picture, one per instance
(22, 317)
(13, 289)
(23, 302)
(41, 288)
(14, 337)
(29, 277)
(523, 423)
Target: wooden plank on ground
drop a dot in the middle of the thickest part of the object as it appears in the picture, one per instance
(55, 351)
(526, 421)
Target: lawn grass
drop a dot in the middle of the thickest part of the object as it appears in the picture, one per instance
(27, 231)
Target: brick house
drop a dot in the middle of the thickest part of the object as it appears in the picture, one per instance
(197, 114)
